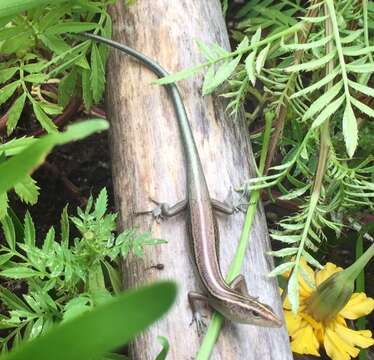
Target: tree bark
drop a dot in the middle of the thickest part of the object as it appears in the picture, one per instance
(148, 161)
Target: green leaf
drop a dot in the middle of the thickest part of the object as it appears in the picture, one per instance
(293, 291)
(16, 168)
(205, 50)
(29, 230)
(86, 88)
(322, 101)
(295, 194)
(5, 258)
(36, 78)
(13, 7)
(328, 111)
(67, 88)
(114, 277)
(50, 108)
(181, 75)
(281, 269)
(250, 67)
(14, 113)
(27, 190)
(165, 348)
(283, 252)
(21, 41)
(11, 300)
(362, 107)
(360, 68)
(112, 324)
(6, 74)
(222, 73)
(43, 118)
(3, 205)
(9, 231)
(19, 272)
(350, 130)
(7, 91)
(313, 64)
(71, 27)
(311, 260)
(261, 58)
(65, 226)
(101, 204)
(361, 88)
(97, 74)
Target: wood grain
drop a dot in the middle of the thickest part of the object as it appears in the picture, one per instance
(148, 161)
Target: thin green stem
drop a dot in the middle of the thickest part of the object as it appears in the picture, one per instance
(236, 265)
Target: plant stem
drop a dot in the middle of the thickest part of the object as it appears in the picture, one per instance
(236, 265)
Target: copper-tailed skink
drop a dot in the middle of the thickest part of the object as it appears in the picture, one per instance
(231, 300)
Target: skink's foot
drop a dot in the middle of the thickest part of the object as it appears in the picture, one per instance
(200, 323)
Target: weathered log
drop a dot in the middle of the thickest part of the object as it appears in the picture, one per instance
(148, 161)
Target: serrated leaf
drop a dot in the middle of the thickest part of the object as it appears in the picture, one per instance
(36, 78)
(65, 226)
(6, 74)
(14, 113)
(3, 205)
(329, 110)
(283, 252)
(362, 107)
(49, 240)
(97, 74)
(86, 89)
(362, 88)
(243, 44)
(307, 45)
(29, 234)
(256, 36)
(27, 190)
(350, 130)
(54, 42)
(311, 260)
(181, 75)
(5, 258)
(9, 231)
(101, 204)
(222, 74)
(295, 194)
(21, 41)
(321, 101)
(50, 108)
(311, 65)
(13, 7)
(43, 118)
(12, 300)
(289, 239)
(351, 37)
(7, 91)
(261, 58)
(205, 50)
(67, 87)
(71, 27)
(282, 268)
(293, 291)
(360, 68)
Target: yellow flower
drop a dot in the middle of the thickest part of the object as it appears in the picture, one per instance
(309, 334)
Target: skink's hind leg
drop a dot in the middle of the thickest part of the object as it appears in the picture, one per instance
(163, 210)
(226, 209)
(197, 317)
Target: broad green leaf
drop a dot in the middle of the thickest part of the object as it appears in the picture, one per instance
(97, 74)
(282, 268)
(16, 168)
(328, 111)
(362, 107)
(293, 291)
(222, 74)
(19, 272)
(21, 41)
(9, 32)
(322, 101)
(181, 75)
(7, 91)
(311, 65)
(112, 325)
(13, 7)
(27, 190)
(71, 27)
(14, 146)
(350, 130)
(6, 74)
(14, 113)
(43, 118)
(261, 58)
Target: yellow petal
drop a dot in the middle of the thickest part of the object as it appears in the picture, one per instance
(293, 322)
(360, 338)
(305, 341)
(336, 348)
(328, 270)
(359, 305)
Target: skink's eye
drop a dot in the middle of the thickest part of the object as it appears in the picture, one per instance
(255, 313)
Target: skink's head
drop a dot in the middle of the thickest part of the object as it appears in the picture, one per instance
(247, 310)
